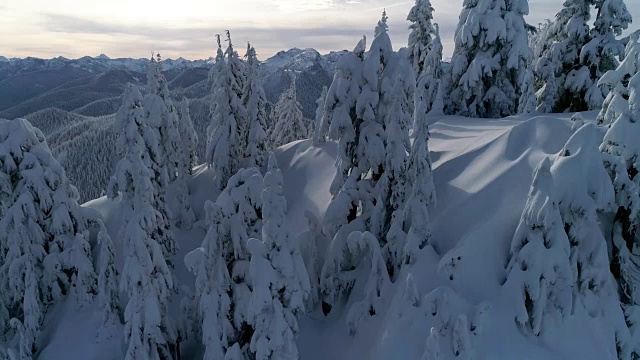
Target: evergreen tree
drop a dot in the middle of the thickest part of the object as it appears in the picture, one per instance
(382, 24)
(563, 79)
(621, 158)
(162, 118)
(423, 35)
(224, 146)
(213, 284)
(429, 79)
(289, 124)
(253, 99)
(146, 277)
(189, 160)
(44, 251)
(617, 81)
(600, 53)
(539, 271)
(278, 276)
(318, 135)
(490, 58)
(108, 294)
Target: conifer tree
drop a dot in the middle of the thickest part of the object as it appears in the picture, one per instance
(146, 277)
(224, 146)
(254, 100)
(108, 292)
(423, 34)
(44, 251)
(289, 124)
(318, 135)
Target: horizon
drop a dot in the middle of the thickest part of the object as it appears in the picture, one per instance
(121, 29)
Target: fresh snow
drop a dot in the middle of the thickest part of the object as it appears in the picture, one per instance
(476, 165)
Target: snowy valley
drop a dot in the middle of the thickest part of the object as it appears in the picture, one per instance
(367, 204)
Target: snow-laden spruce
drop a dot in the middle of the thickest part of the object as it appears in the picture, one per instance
(288, 123)
(490, 58)
(318, 135)
(188, 160)
(622, 159)
(423, 35)
(224, 145)
(253, 99)
(280, 283)
(602, 52)
(539, 272)
(44, 249)
(108, 291)
(146, 276)
(428, 95)
(212, 286)
(564, 81)
(617, 81)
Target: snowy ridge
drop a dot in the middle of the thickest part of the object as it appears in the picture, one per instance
(462, 149)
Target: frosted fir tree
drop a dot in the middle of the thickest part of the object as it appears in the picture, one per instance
(539, 270)
(254, 100)
(490, 58)
(44, 251)
(146, 277)
(564, 80)
(579, 203)
(361, 137)
(310, 241)
(289, 124)
(162, 118)
(189, 147)
(318, 135)
(602, 52)
(108, 292)
(428, 92)
(422, 190)
(621, 159)
(365, 246)
(528, 100)
(423, 34)
(237, 71)
(382, 24)
(342, 94)
(617, 81)
(224, 146)
(213, 284)
(388, 218)
(189, 139)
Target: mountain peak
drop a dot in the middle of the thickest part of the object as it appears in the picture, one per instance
(103, 56)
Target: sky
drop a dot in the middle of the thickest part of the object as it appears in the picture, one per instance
(135, 28)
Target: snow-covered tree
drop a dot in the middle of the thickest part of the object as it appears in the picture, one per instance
(422, 195)
(539, 271)
(490, 58)
(146, 277)
(382, 24)
(213, 284)
(108, 292)
(423, 34)
(600, 54)
(617, 81)
(563, 80)
(310, 241)
(429, 84)
(253, 99)
(224, 146)
(189, 145)
(289, 124)
(44, 251)
(365, 246)
(387, 222)
(621, 158)
(528, 100)
(318, 135)
(188, 149)
(280, 283)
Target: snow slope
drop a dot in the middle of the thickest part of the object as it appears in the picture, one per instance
(482, 171)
